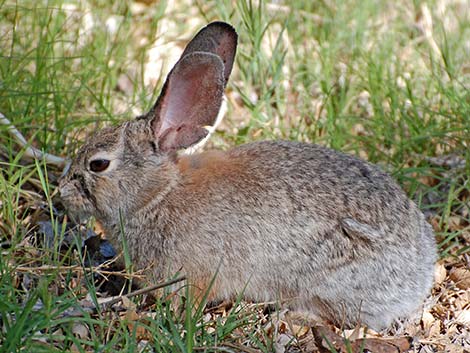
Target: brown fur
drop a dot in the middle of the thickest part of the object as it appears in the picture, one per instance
(198, 171)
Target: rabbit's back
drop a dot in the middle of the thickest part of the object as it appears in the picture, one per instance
(301, 182)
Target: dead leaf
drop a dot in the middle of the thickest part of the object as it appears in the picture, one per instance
(127, 303)
(326, 338)
(461, 277)
(74, 349)
(455, 223)
(98, 228)
(463, 317)
(299, 331)
(383, 345)
(359, 332)
(428, 319)
(435, 329)
(283, 341)
(440, 273)
(453, 348)
(133, 324)
(80, 330)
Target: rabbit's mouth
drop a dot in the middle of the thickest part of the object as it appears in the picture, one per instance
(76, 200)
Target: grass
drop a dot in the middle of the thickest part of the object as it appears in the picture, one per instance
(378, 79)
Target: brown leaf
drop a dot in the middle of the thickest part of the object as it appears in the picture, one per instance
(359, 332)
(133, 323)
(383, 345)
(325, 338)
(435, 329)
(461, 277)
(430, 324)
(74, 349)
(440, 273)
(128, 304)
(299, 331)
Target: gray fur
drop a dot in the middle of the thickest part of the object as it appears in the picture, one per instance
(325, 231)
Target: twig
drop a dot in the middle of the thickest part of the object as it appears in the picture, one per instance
(106, 305)
(451, 161)
(214, 348)
(142, 291)
(229, 347)
(241, 348)
(30, 151)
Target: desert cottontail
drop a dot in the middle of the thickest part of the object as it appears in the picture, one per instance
(322, 230)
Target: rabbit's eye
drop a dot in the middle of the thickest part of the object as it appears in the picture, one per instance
(99, 165)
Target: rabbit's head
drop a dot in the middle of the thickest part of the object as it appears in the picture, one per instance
(120, 169)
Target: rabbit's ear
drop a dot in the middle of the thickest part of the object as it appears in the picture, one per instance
(217, 38)
(190, 100)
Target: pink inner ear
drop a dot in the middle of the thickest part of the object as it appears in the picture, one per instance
(186, 92)
(191, 100)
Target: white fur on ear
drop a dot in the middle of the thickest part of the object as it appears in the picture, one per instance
(200, 145)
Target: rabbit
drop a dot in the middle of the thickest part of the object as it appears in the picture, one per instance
(322, 231)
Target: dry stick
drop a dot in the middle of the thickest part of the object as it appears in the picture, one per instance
(240, 347)
(228, 347)
(107, 305)
(143, 291)
(30, 151)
